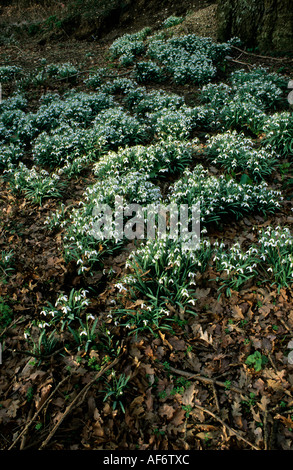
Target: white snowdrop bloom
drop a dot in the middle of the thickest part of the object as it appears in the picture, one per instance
(121, 287)
(185, 293)
(65, 309)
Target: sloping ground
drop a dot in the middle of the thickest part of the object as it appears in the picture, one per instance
(220, 379)
(89, 20)
(201, 22)
(93, 52)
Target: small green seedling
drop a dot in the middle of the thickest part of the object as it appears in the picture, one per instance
(257, 360)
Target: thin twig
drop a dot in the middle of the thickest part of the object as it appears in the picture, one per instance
(285, 325)
(216, 398)
(261, 56)
(231, 430)
(37, 356)
(265, 432)
(14, 322)
(24, 434)
(206, 380)
(240, 62)
(272, 363)
(165, 341)
(288, 408)
(76, 400)
(38, 412)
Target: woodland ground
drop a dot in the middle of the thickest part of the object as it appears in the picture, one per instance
(190, 390)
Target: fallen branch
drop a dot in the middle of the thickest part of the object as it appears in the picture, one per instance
(37, 356)
(265, 431)
(231, 430)
(13, 323)
(24, 432)
(205, 380)
(78, 399)
(240, 62)
(261, 56)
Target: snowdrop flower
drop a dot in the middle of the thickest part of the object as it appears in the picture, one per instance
(65, 309)
(61, 298)
(121, 287)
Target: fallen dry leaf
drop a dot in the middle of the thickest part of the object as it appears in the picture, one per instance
(188, 395)
(178, 418)
(166, 410)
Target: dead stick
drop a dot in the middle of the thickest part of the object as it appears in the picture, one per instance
(216, 398)
(14, 322)
(24, 434)
(285, 325)
(240, 62)
(38, 412)
(231, 430)
(30, 353)
(82, 393)
(205, 380)
(265, 433)
(272, 363)
(261, 56)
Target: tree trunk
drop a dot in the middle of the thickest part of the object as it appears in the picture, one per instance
(266, 24)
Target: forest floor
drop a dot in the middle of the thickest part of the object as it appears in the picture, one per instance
(189, 390)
